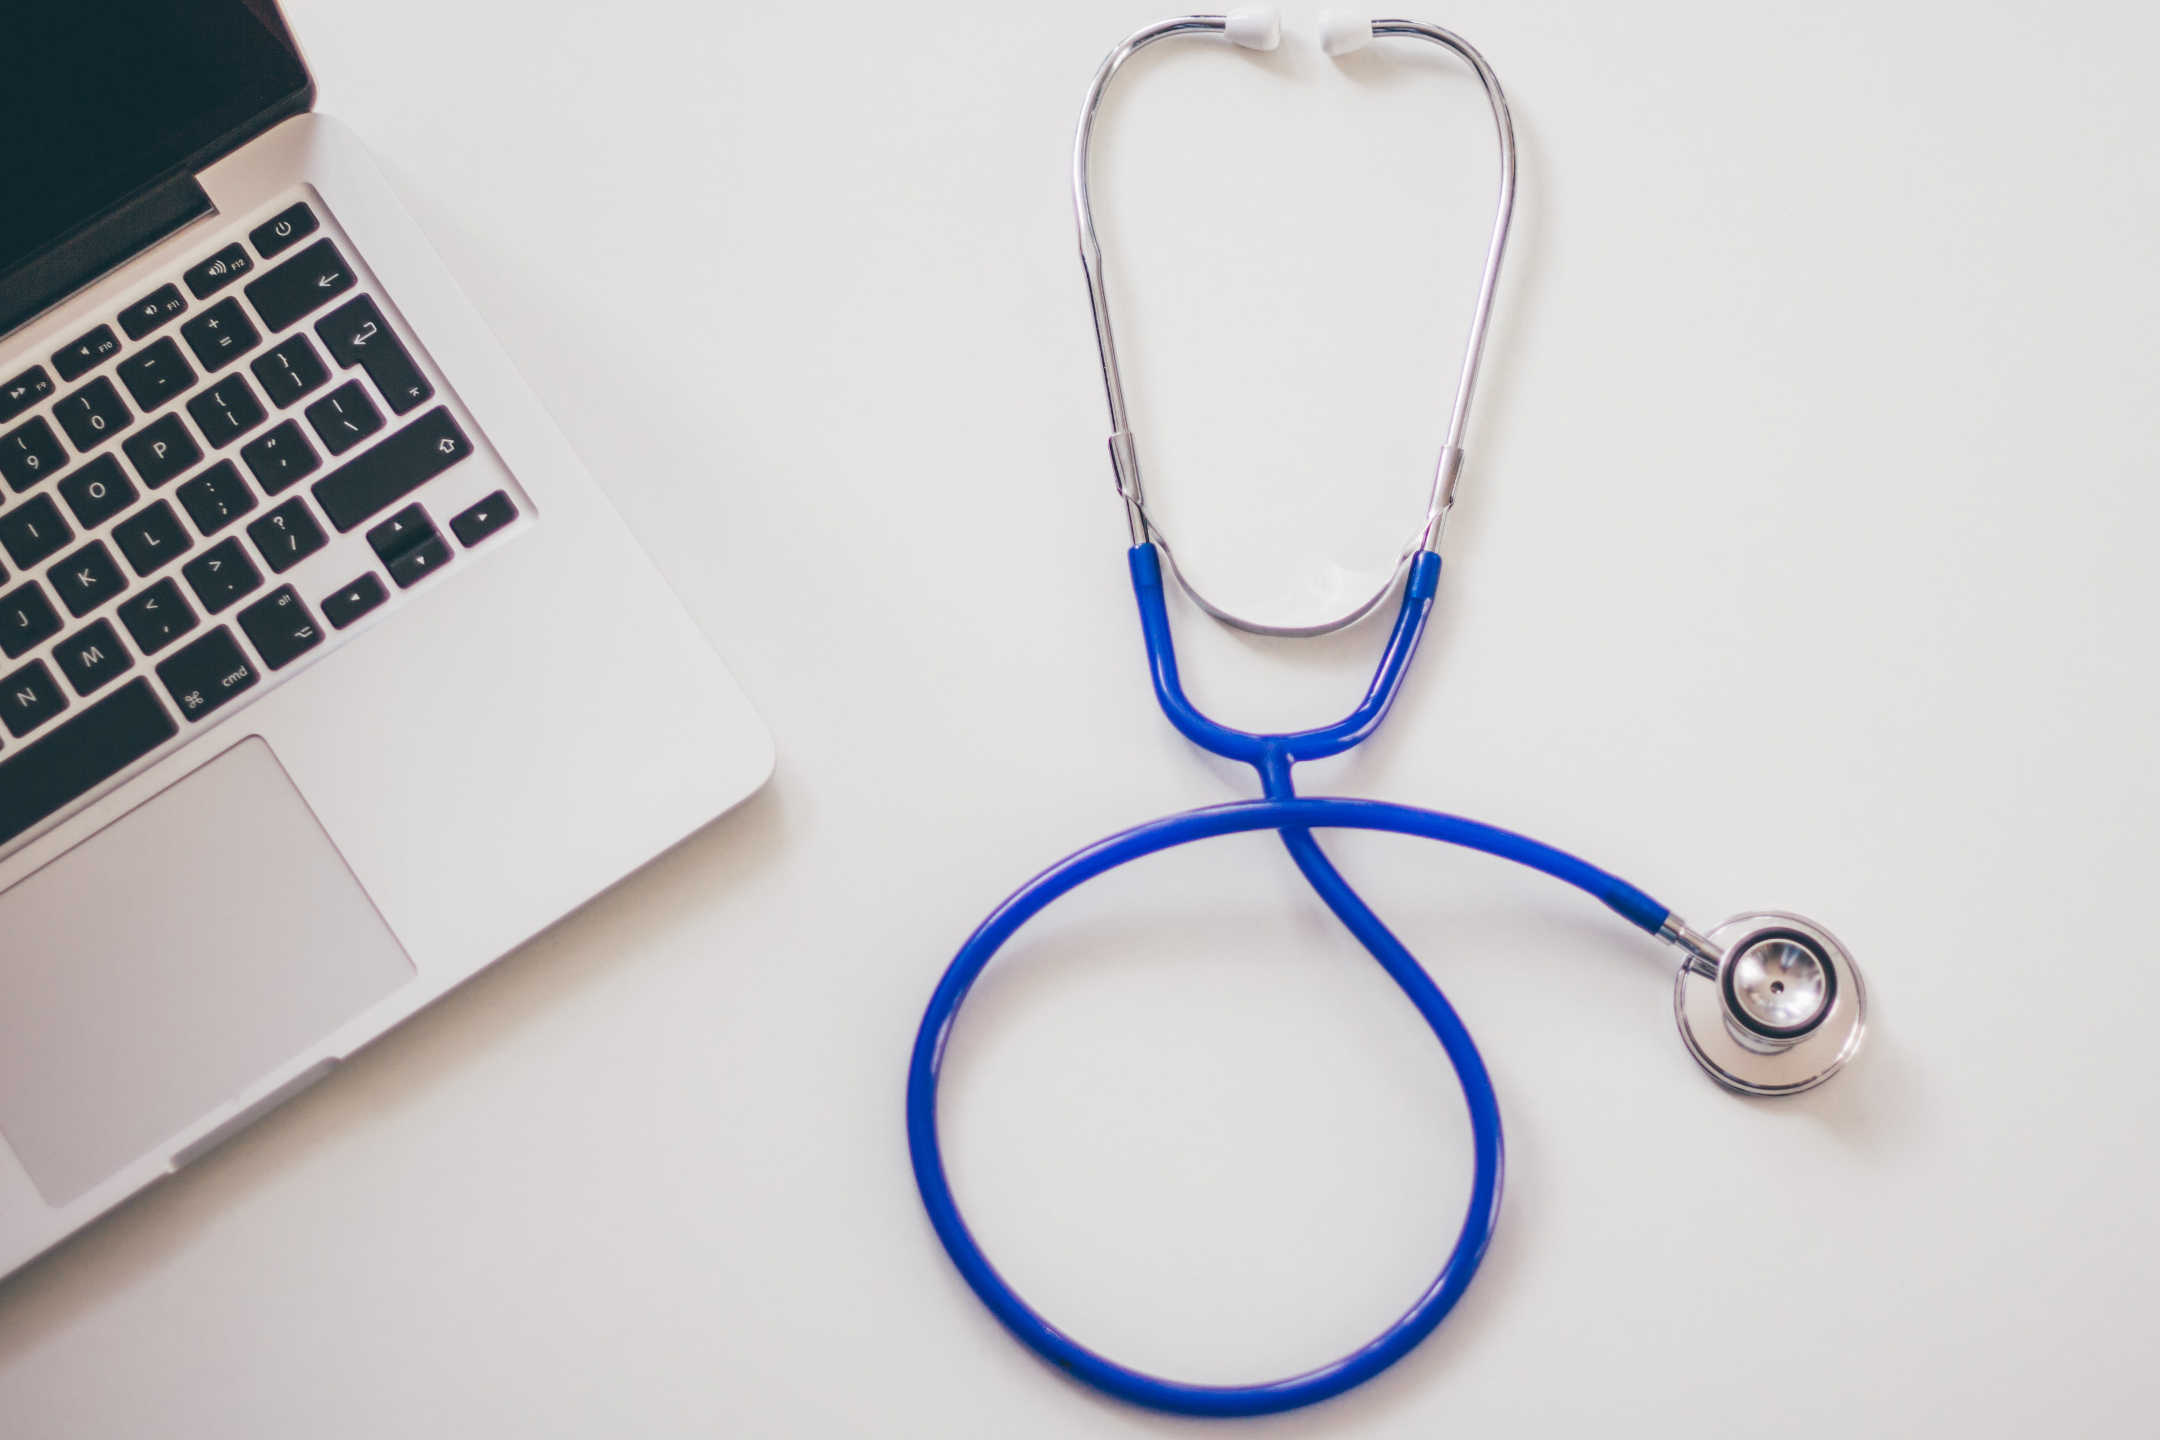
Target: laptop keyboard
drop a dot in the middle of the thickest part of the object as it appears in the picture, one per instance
(185, 490)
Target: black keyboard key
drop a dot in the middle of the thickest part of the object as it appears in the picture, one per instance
(290, 370)
(30, 697)
(392, 470)
(400, 533)
(93, 658)
(85, 354)
(303, 284)
(408, 544)
(483, 519)
(356, 334)
(220, 270)
(30, 453)
(419, 562)
(98, 491)
(207, 673)
(226, 411)
(216, 498)
(157, 374)
(221, 575)
(280, 628)
(220, 335)
(283, 231)
(287, 535)
(33, 531)
(280, 458)
(93, 414)
(151, 538)
(60, 768)
(161, 450)
(87, 579)
(27, 620)
(24, 391)
(153, 310)
(344, 417)
(157, 617)
(354, 601)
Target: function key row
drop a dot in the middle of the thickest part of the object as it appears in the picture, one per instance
(218, 271)
(322, 271)
(153, 310)
(24, 391)
(79, 357)
(282, 231)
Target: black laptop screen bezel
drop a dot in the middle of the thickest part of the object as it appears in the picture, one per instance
(111, 108)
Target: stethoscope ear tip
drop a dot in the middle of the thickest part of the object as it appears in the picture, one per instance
(1259, 27)
(1780, 1010)
(1256, 27)
(1341, 33)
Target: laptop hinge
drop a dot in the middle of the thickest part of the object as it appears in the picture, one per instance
(113, 238)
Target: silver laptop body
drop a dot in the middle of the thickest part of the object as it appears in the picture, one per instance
(411, 739)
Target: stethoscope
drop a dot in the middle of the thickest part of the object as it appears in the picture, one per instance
(1768, 1003)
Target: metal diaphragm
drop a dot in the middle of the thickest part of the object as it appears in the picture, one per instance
(1781, 1012)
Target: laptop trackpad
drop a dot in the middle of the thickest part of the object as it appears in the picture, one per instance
(164, 964)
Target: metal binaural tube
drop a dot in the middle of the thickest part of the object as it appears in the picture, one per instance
(1124, 454)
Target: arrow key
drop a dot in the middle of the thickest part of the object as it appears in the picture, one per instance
(410, 546)
(483, 520)
(417, 562)
(354, 601)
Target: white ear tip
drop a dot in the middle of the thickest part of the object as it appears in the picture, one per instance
(1257, 27)
(1340, 34)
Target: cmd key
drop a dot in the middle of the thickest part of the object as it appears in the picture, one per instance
(207, 673)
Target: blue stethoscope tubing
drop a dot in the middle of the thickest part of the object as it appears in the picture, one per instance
(1294, 818)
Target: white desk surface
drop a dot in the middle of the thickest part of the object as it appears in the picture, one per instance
(1804, 561)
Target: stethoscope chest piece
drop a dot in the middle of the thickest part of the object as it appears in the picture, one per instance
(1780, 1010)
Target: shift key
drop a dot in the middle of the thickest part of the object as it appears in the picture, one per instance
(381, 477)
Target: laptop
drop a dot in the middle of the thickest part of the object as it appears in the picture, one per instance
(327, 674)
